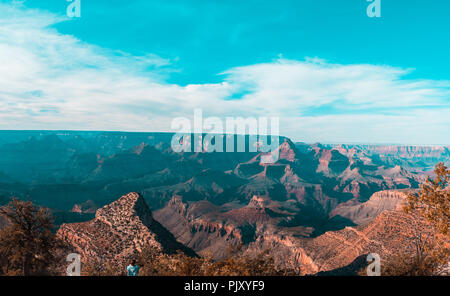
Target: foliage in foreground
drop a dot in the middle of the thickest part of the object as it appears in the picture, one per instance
(155, 263)
(428, 253)
(263, 264)
(28, 245)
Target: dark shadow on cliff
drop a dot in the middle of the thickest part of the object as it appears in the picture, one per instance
(352, 269)
(319, 222)
(168, 241)
(332, 224)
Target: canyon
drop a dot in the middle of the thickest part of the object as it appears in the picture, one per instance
(122, 229)
(317, 209)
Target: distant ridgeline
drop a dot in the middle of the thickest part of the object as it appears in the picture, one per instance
(96, 139)
(101, 141)
(417, 158)
(40, 163)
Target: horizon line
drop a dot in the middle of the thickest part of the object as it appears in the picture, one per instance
(172, 132)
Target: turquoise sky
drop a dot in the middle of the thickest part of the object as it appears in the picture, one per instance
(330, 72)
(209, 36)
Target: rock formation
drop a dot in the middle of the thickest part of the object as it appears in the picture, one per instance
(3, 221)
(119, 231)
(392, 232)
(383, 229)
(366, 212)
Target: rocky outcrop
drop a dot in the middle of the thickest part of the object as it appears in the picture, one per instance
(119, 231)
(286, 249)
(392, 232)
(3, 222)
(201, 227)
(288, 151)
(257, 202)
(88, 207)
(366, 212)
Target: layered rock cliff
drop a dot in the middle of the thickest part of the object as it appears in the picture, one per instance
(366, 212)
(419, 158)
(392, 232)
(382, 228)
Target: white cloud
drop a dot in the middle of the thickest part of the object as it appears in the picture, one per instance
(53, 81)
(417, 127)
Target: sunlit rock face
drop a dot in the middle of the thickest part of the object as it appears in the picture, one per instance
(119, 232)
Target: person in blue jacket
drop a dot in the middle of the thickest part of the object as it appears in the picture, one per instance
(133, 269)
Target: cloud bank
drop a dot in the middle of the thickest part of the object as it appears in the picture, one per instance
(53, 81)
